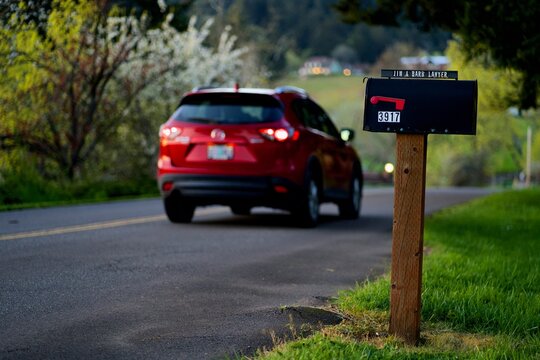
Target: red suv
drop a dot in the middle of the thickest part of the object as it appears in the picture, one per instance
(256, 147)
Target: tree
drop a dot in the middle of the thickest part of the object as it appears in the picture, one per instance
(498, 148)
(391, 57)
(35, 12)
(501, 31)
(157, 10)
(65, 92)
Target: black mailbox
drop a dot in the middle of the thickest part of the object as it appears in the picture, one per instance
(415, 106)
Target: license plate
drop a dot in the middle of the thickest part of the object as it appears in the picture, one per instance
(389, 116)
(220, 152)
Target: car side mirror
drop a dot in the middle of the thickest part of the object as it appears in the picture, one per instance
(347, 134)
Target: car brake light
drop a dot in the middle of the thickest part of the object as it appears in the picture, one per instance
(280, 134)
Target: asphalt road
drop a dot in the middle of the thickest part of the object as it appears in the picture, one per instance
(118, 281)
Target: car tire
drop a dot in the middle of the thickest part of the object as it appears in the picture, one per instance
(307, 212)
(350, 208)
(241, 210)
(178, 210)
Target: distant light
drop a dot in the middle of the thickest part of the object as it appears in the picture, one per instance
(347, 72)
(389, 168)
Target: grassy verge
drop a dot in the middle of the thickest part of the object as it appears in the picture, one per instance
(31, 192)
(481, 292)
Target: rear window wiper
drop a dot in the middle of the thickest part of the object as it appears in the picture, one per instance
(203, 120)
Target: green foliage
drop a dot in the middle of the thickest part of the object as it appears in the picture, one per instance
(496, 88)
(508, 34)
(498, 146)
(23, 186)
(26, 185)
(54, 84)
(84, 90)
(535, 151)
(307, 28)
(156, 13)
(504, 32)
(391, 57)
(27, 189)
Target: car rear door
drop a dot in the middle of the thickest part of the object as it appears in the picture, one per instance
(330, 149)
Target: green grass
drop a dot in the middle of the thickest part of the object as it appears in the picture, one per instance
(24, 192)
(481, 291)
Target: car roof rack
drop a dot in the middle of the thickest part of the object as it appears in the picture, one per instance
(206, 87)
(290, 89)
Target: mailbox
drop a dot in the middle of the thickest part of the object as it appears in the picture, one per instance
(418, 106)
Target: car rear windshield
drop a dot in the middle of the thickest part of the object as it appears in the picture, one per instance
(224, 108)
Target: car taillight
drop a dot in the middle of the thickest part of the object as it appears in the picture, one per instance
(279, 134)
(169, 133)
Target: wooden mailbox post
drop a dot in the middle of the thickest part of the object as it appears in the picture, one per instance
(413, 104)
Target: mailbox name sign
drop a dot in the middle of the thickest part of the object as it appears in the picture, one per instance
(419, 74)
(421, 106)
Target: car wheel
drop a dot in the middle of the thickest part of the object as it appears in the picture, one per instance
(241, 210)
(308, 211)
(178, 210)
(350, 208)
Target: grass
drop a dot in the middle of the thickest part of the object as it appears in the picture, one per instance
(342, 97)
(25, 192)
(481, 292)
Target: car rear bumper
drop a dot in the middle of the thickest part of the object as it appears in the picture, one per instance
(232, 190)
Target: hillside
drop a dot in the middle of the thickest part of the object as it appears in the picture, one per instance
(281, 30)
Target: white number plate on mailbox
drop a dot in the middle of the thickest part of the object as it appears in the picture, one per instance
(389, 116)
(220, 152)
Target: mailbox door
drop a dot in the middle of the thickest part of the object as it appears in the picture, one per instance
(421, 106)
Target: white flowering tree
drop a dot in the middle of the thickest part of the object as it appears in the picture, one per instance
(94, 74)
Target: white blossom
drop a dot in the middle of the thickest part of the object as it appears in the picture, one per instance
(170, 61)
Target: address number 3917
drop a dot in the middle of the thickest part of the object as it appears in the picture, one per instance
(389, 116)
